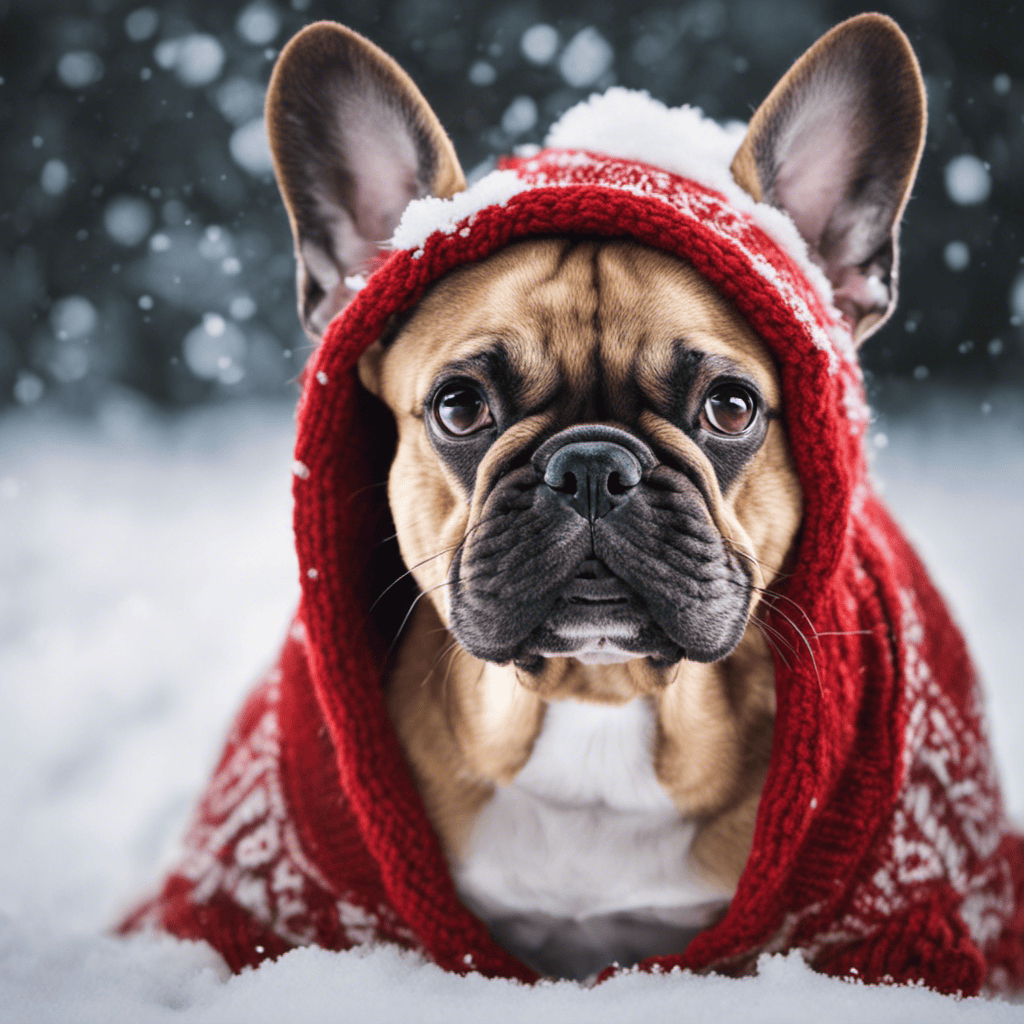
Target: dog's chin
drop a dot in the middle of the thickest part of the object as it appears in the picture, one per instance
(598, 633)
(596, 650)
(598, 630)
(602, 652)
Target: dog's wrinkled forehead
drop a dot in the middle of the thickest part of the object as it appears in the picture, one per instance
(574, 331)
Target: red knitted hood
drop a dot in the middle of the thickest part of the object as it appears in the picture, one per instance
(880, 846)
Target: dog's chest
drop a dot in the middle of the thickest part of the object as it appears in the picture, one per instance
(584, 860)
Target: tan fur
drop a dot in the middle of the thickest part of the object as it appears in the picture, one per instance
(466, 724)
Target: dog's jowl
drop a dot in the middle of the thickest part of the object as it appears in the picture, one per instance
(669, 688)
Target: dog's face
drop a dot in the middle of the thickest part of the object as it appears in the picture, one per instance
(591, 460)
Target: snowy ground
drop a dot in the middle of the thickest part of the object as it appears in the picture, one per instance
(146, 575)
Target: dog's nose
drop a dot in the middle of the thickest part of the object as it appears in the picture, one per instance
(593, 477)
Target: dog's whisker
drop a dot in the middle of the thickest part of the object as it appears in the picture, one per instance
(416, 600)
(775, 595)
(850, 632)
(419, 597)
(810, 650)
(449, 692)
(449, 650)
(418, 523)
(443, 551)
(761, 624)
(776, 571)
(771, 595)
(362, 490)
(409, 572)
(768, 597)
(765, 632)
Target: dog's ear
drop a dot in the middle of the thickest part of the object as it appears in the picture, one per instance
(836, 145)
(353, 142)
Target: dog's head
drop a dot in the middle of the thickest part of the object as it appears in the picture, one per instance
(592, 458)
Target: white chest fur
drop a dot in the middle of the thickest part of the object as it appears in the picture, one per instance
(584, 860)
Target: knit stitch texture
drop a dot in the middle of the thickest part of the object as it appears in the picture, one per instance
(881, 848)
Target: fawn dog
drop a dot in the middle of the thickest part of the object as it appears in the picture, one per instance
(593, 490)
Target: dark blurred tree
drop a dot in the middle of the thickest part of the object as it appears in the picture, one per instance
(142, 241)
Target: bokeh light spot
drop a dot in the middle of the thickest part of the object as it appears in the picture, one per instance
(79, 69)
(586, 58)
(967, 180)
(520, 116)
(55, 177)
(196, 59)
(141, 24)
(957, 256)
(215, 350)
(539, 44)
(74, 316)
(250, 147)
(258, 24)
(128, 220)
(482, 73)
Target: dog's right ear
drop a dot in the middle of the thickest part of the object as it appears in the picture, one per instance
(353, 141)
(836, 145)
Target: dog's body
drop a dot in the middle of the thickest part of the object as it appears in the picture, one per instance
(607, 795)
(592, 487)
(674, 688)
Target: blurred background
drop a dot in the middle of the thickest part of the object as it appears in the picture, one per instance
(144, 249)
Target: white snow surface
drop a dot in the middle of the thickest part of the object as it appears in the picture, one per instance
(146, 577)
(631, 125)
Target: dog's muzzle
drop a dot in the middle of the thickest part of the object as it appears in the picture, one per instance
(595, 549)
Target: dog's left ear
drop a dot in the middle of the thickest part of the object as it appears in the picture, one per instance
(353, 142)
(836, 145)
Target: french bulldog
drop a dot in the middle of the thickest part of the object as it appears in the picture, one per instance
(593, 491)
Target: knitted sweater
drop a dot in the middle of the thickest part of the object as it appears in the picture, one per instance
(881, 848)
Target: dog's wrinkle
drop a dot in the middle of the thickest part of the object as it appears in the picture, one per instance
(515, 470)
(510, 577)
(671, 479)
(516, 551)
(731, 456)
(704, 613)
(507, 461)
(599, 399)
(670, 386)
(503, 584)
(566, 250)
(678, 582)
(676, 391)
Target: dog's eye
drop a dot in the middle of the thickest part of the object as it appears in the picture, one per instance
(460, 409)
(729, 409)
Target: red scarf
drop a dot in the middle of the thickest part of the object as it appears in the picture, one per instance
(881, 848)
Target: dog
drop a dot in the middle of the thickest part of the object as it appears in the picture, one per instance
(592, 486)
(671, 688)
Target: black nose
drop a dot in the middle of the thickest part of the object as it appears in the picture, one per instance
(592, 476)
